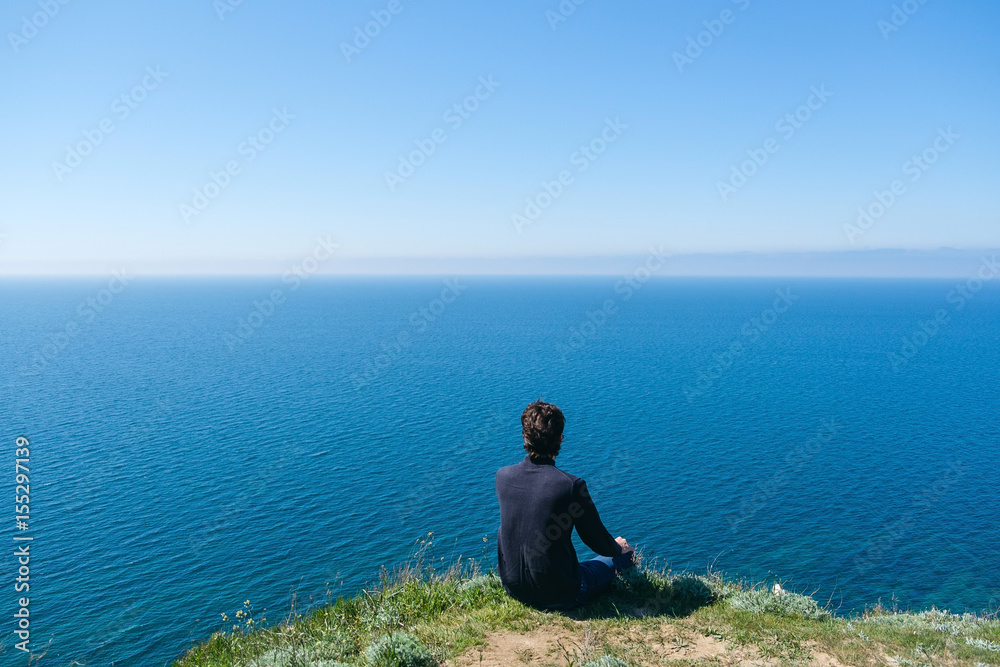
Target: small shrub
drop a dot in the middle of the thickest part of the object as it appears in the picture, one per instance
(288, 657)
(385, 618)
(479, 583)
(279, 657)
(984, 644)
(335, 644)
(400, 649)
(606, 661)
(764, 601)
(932, 619)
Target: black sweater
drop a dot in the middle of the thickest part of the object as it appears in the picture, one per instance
(539, 507)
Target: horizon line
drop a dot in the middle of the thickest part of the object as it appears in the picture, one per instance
(851, 263)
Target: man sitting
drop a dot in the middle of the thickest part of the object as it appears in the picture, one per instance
(539, 507)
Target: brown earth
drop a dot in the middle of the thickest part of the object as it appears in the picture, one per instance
(576, 642)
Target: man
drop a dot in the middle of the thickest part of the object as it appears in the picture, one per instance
(539, 507)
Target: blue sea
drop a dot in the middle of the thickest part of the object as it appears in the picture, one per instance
(195, 443)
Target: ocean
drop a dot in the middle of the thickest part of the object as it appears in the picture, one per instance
(195, 443)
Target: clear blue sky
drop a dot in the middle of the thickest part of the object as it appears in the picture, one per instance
(324, 173)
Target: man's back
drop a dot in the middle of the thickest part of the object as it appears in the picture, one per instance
(539, 507)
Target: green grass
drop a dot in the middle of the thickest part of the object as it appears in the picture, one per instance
(418, 617)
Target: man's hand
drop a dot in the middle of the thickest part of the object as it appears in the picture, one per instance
(626, 547)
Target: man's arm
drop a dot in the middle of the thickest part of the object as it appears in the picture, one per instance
(589, 525)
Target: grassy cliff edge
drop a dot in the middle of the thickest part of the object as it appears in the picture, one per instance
(419, 617)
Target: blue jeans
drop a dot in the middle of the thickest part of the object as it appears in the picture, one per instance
(596, 576)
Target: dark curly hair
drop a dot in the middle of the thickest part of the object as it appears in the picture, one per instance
(542, 426)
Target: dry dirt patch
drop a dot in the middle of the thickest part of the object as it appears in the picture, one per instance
(539, 646)
(555, 645)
